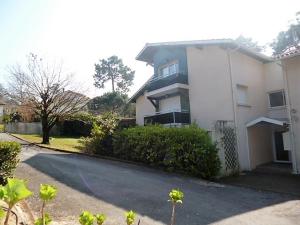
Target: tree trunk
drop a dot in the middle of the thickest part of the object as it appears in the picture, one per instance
(173, 215)
(46, 131)
(113, 83)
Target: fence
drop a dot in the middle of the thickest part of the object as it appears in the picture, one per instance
(28, 128)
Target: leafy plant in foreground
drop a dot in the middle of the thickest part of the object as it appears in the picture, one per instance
(130, 217)
(86, 218)
(14, 191)
(100, 218)
(47, 193)
(176, 197)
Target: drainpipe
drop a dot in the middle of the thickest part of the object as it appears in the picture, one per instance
(289, 105)
(228, 51)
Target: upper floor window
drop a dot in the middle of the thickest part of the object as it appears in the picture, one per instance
(242, 95)
(169, 69)
(277, 99)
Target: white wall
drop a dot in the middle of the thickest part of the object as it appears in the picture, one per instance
(274, 82)
(249, 72)
(209, 86)
(170, 104)
(143, 108)
(260, 145)
(292, 69)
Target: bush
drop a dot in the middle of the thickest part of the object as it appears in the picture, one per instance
(100, 141)
(9, 152)
(187, 149)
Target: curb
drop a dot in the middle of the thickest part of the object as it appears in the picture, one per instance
(205, 182)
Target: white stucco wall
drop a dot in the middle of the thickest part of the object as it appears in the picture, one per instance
(143, 108)
(249, 72)
(260, 145)
(292, 71)
(274, 82)
(209, 86)
(170, 104)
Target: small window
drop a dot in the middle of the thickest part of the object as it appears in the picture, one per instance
(277, 99)
(169, 69)
(173, 68)
(242, 95)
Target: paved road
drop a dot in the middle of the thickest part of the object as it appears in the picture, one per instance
(113, 187)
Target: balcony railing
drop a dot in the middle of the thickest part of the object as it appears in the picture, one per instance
(160, 82)
(169, 118)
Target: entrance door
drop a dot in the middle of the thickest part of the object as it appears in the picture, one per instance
(280, 153)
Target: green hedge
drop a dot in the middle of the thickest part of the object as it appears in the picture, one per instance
(9, 152)
(186, 149)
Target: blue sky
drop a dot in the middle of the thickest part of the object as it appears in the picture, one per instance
(79, 32)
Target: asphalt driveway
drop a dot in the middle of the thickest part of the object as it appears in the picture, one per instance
(113, 187)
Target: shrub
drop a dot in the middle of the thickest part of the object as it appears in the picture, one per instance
(9, 152)
(187, 149)
(100, 141)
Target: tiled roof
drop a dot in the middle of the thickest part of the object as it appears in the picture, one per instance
(288, 54)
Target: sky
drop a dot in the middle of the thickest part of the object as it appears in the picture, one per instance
(80, 32)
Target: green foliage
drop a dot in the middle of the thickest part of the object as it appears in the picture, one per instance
(2, 213)
(100, 218)
(248, 42)
(86, 218)
(83, 116)
(187, 149)
(47, 192)
(113, 69)
(288, 40)
(100, 141)
(6, 118)
(47, 219)
(9, 160)
(108, 102)
(14, 191)
(130, 217)
(176, 196)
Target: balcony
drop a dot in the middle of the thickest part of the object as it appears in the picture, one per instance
(168, 118)
(159, 82)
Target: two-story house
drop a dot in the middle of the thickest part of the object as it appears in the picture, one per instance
(235, 93)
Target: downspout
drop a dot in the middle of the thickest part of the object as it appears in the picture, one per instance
(228, 51)
(289, 105)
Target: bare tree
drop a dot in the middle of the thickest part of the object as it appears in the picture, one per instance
(47, 91)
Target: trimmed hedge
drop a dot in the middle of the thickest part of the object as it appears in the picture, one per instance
(187, 149)
(9, 160)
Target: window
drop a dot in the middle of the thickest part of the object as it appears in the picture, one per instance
(242, 95)
(277, 99)
(169, 69)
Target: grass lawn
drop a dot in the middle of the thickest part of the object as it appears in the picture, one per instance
(65, 143)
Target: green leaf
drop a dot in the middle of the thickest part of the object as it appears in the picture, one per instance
(39, 221)
(176, 196)
(130, 217)
(100, 218)
(2, 213)
(47, 192)
(86, 218)
(14, 191)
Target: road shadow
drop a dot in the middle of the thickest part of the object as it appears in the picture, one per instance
(145, 190)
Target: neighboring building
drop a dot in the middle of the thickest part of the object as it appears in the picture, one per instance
(291, 71)
(235, 93)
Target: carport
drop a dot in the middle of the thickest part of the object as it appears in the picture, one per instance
(268, 141)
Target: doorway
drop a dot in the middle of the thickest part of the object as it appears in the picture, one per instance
(280, 154)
